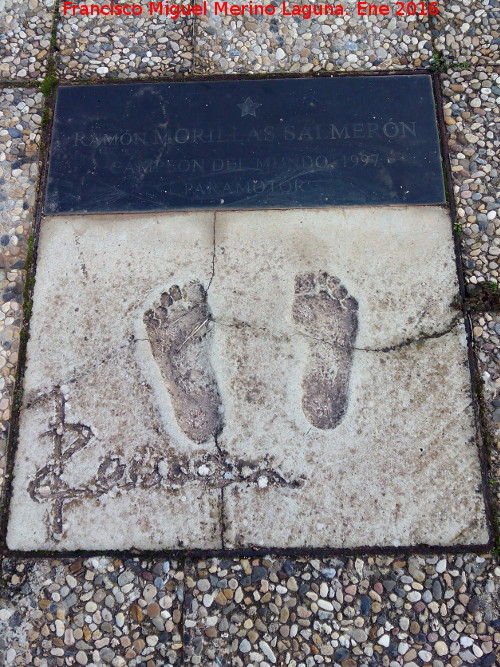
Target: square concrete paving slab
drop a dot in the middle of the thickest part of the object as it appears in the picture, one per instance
(123, 47)
(25, 28)
(299, 44)
(93, 408)
(288, 379)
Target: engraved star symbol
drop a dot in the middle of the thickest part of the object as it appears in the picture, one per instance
(248, 107)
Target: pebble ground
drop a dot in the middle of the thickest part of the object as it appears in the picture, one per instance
(392, 610)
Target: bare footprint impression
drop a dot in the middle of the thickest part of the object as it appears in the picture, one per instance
(325, 313)
(180, 336)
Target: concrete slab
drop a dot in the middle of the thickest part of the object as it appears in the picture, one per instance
(96, 429)
(274, 378)
(346, 370)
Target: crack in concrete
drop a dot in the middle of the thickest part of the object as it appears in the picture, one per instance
(86, 370)
(419, 338)
(214, 250)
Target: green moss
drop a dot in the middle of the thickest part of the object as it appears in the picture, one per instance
(49, 84)
(481, 298)
(438, 63)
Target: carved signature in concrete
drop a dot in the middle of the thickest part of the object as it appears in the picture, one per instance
(325, 313)
(48, 483)
(147, 469)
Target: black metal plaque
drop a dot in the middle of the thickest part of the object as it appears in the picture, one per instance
(275, 143)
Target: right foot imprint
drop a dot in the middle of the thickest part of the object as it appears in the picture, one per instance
(323, 311)
(179, 333)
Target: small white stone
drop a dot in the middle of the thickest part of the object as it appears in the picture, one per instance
(81, 658)
(324, 604)
(441, 648)
(245, 646)
(441, 566)
(266, 650)
(426, 656)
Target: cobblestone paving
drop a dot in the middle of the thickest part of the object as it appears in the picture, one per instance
(123, 47)
(439, 610)
(24, 38)
(469, 31)
(324, 43)
(20, 119)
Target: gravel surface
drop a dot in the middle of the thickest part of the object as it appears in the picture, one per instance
(469, 31)
(370, 610)
(20, 118)
(293, 44)
(24, 38)
(123, 47)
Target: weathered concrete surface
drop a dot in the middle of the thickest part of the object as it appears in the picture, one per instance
(304, 385)
(92, 380)
(399, 465)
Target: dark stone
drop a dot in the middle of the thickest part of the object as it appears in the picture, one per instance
(365, 605)
(495, 623)
(15, 620)
(5, 240)
(389, 585)
(246, 581)
(271, 143)
(381, 619)
(15, 133)
(259, 573)
(341, 654)
(475, 604)
(288, 567)
(437, 590)
(303, 589)
(187, 638)
(131, 564)
(488, 659)
(392, 650)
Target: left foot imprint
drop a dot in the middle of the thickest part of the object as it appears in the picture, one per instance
(180, 336)
(328, 316)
